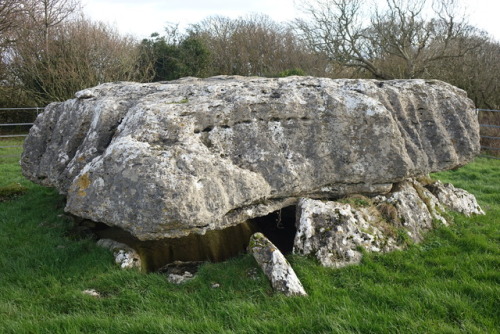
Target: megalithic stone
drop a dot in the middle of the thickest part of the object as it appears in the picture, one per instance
(275, 266)
(169, 159)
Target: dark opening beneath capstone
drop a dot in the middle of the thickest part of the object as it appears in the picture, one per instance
(213, 246)
(279, 227)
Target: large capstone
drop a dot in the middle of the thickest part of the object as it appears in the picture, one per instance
(165, 160)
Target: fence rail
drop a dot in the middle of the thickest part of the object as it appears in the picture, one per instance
(492, 110)
(38, 110)
(35, 110)
(486, 149)
(15, 124)
(489, 126)
(490, 137)
(12, 136)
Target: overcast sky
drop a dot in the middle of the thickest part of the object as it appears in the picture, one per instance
(143, 17)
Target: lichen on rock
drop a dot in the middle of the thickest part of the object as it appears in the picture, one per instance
(336, 233)
(275, 266)
(456, 199)
(125, 256)
(166, 160)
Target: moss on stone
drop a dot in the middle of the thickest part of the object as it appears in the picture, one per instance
(357, 201)
(11, 191)
(425, 180)
(420, 191)
(389, 212)
(180, 102)
(403, 238)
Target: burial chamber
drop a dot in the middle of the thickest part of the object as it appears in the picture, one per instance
(192, 158)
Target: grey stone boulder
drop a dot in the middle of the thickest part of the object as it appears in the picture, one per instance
(335, 233)
(164, 160)
(275, 266)
(180, 279)
(456, 199)
(417, 208)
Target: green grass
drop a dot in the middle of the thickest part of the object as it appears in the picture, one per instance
(448, 284)
(10, 152)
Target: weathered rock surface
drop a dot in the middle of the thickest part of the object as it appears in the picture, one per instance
(125, 257)
(417, 208)
(275, 266)
(92, 293)
(334, 232)
(456, 199)
(164, 160)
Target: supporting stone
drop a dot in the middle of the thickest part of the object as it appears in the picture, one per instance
(335, 232)
(417, 208)
(125, 257)
(456, 199)
(275, 266)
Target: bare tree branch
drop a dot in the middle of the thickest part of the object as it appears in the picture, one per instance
(399, 35)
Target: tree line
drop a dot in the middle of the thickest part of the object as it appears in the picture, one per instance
(49, 49)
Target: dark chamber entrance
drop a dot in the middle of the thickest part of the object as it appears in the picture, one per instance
(279, 227)
(215, 246)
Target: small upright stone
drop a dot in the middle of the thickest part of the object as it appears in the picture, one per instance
(275, 266)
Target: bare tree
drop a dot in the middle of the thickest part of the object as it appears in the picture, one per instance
(477, 72)
(254, 45)
(10, 11)
(48, 14)
(397, 41)
(81, 54)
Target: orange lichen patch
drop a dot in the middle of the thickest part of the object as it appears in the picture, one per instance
(83, 183)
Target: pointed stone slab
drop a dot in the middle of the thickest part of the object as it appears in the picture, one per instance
(275, 266)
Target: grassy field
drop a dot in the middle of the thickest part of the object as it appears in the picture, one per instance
(448, 284)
